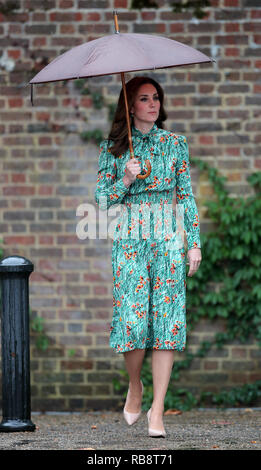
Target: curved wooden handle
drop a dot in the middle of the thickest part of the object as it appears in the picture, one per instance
(141, 176)
(147, 162)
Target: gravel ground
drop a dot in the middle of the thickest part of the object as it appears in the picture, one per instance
(208, 429)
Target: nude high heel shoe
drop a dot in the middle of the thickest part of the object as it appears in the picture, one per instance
(131, 418)
(154, 432)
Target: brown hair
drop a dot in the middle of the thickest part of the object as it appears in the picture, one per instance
(119, 130)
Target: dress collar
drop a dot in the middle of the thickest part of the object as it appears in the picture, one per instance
(137, 133)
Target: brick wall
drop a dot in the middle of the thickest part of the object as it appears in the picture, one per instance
(47, 172)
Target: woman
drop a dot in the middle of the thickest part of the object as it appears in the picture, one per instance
(149, 279)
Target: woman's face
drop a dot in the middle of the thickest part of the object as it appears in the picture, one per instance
(146, 105)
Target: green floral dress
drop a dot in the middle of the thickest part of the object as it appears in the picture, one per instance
(149, 271)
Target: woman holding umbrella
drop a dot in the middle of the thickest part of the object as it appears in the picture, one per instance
(149, 276)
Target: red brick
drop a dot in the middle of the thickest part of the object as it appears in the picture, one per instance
(19, 240)
(39, 42)
(97, 327)
(46, 165)
(39, 16)
(238, 352)
(257, 163)
(43, 116)
(19, 190)
(14, 53)
(18, 203)
(232, 51)
(47, 264)
(86, 102)
(120, 3)
(67, 29)
(75, 364)
(18, 178)
(255, 14)
(210, 365)
(45, 190)
(231, 3)
(232, 27)
(93, 16)
(100, 290)
(206, 140)
(65, 17)
(44, 140)
(46, 240)
(251, 27)
(176, 28)
(63, 4)
(93, 277)
(15, 102)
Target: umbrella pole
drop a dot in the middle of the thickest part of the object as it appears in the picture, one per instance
(147, 162)
(127, 115)
(124, 90)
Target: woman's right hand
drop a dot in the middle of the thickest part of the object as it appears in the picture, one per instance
(132, 169)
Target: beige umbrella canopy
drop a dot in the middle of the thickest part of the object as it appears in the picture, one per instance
(119, 53)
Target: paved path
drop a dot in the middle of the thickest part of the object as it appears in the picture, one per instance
(210, 429)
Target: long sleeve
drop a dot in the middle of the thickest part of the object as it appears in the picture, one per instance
(184, 195)
(108, 190)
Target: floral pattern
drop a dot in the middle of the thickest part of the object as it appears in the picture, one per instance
(149, 270)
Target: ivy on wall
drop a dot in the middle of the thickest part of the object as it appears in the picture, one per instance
(178, 6)
(37, 328)
(98, 102)
(8, 7)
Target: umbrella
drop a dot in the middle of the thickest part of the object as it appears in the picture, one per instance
(119, 53)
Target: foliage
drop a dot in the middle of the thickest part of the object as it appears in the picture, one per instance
(112, 109)
(138, 4)
(98, 102)
(231, 259)
(247, 394)
(97, 98)
(196, 6)
(226, 286)
(96, 136)
(8, 7)
(37, 326)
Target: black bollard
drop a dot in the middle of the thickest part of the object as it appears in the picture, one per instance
(16, 397)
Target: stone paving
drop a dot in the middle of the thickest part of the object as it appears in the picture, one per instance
(201, 429)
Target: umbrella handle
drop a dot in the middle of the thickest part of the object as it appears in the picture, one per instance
(142, 176)
(147, 173)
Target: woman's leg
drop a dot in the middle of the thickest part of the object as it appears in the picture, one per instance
(133, 363)
(162, 363)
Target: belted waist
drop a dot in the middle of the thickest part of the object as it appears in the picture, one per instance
(149, 196)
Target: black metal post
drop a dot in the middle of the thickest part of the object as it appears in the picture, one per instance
(16, 397)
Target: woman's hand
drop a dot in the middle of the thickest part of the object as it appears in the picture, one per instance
(132, 169)
(194, 257)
